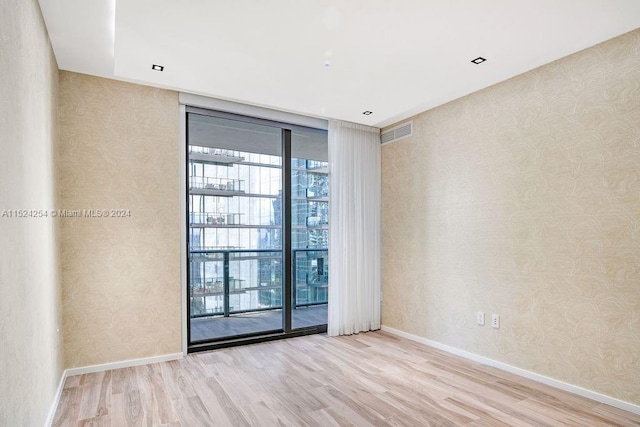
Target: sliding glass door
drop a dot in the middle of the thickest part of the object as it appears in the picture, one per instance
(310, 227)
(257, 228)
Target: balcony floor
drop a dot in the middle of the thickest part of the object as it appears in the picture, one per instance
(206, 328)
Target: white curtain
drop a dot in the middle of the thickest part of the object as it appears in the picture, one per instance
(354, 228)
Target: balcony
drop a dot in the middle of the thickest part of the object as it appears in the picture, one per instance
(216, 219)
(237, 292)
(214, 156)
(216, 186)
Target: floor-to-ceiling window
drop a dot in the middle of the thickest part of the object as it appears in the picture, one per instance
(258, 228)
(310, 226)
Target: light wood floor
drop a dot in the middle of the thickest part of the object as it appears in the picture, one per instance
(367, 379)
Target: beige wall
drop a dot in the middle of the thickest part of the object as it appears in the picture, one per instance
(523, 199)
(121, 276)
(30, 354)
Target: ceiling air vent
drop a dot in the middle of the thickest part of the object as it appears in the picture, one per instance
(397, 133)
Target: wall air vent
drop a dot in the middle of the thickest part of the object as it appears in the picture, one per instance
(397, 133)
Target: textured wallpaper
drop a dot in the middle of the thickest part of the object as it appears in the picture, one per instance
(30, 351)
(523, 199)
(118, 153)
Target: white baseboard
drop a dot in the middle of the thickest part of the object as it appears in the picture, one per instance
(518, 371)
(56, 400)
(122, 364)
(99, 368)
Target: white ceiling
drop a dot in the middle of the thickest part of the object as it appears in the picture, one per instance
(395, 58)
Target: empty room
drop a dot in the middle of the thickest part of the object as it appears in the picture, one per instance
(319, 213)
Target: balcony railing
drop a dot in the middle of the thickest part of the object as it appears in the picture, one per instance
(225, 282)
(216, 184)
(310, 276)
(214, 156)
(216, 218)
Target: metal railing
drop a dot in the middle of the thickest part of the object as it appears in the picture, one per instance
(216, 184)
(261, 282)
(195, 149)
(310, 276)
(216, 218)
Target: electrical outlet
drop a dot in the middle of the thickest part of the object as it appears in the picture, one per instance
(495, 321)
(480, 318)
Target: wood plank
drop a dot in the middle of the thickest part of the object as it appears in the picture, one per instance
(370, 379)
(96, 395)
(68, 411)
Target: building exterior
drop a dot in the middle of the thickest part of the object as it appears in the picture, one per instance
(235, 225)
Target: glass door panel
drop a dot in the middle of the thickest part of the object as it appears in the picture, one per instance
(309, 227)
(235, 228)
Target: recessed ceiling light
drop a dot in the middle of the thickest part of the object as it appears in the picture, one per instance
(368, 113)
(155, 67)
(478, 60)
